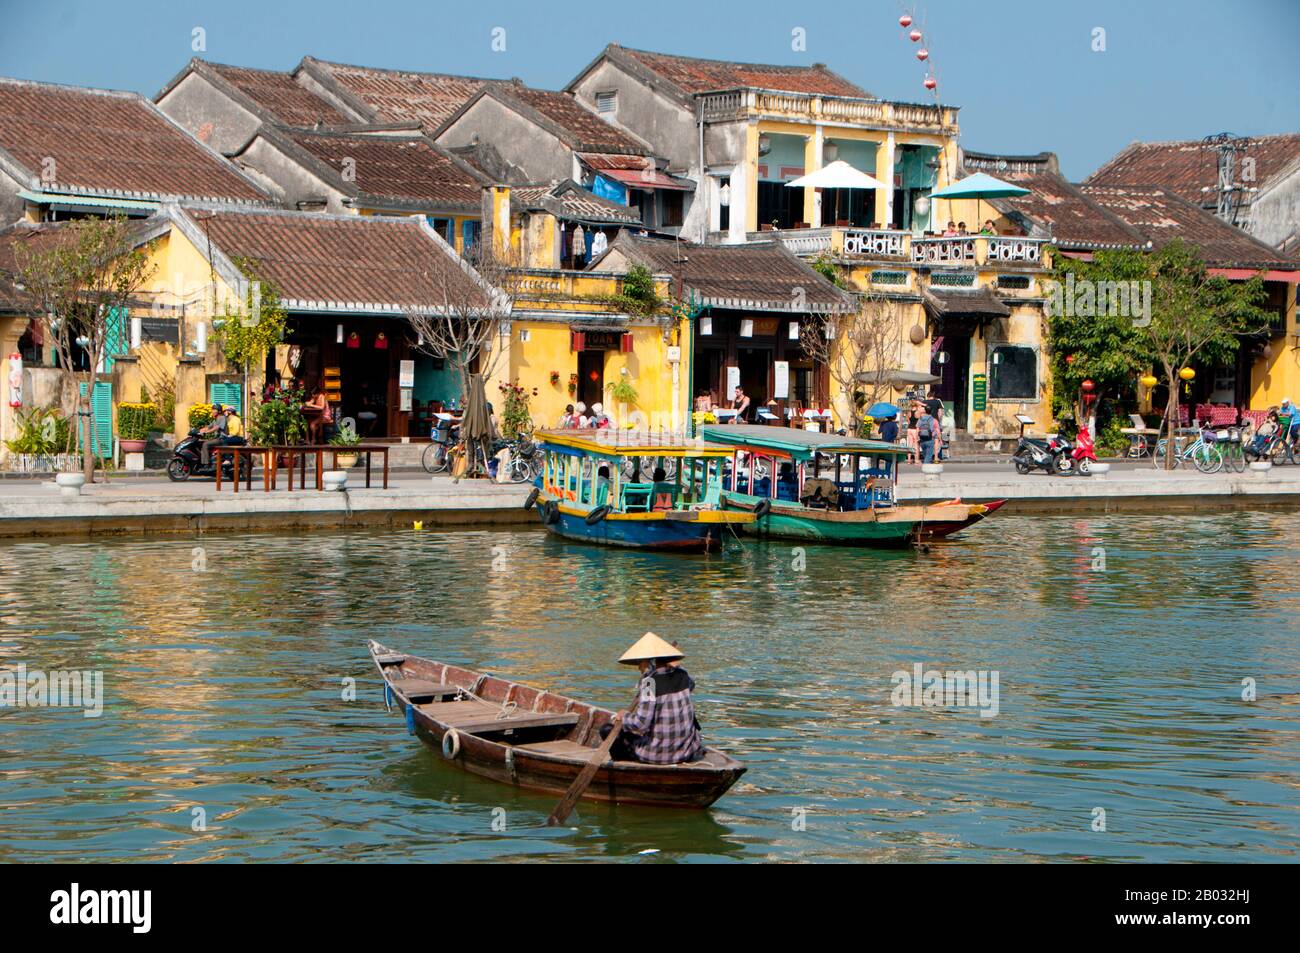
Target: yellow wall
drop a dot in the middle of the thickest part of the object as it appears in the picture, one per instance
(530, 363)
(1278, 376)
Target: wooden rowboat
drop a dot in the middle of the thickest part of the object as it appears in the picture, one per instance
(532, 738)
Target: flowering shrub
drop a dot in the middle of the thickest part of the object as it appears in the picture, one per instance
(515, 418)
(200, 415)
(134, 420)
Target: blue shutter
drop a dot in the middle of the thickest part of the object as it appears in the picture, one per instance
(101, 410)
(229, 394)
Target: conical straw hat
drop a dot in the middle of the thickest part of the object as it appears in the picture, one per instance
(650, 646)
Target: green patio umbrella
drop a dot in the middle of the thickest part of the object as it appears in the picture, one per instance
(978, 186)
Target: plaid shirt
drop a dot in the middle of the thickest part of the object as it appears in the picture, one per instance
(663, 729)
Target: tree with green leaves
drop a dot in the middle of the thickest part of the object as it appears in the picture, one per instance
(84, 281)
(249, 327)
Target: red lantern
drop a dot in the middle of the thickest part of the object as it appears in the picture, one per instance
(381, 342)
(930, 82)
(905, 21)
(915, 36)
(1069, 359)
(1087, 387)
(354, 339)
(923, 54)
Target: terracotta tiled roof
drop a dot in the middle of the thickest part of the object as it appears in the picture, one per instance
(349, 262)
(583, 128)
(36, 238)
(406, 169)
(1163, 216)
(572, 202)
(114, 143)
(397, 96)
(281, 96)
(1058, 209)
(757, 276)
(694, 75)
(1186, 167)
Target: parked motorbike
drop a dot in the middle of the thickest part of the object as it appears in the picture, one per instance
(1084, 453)
(1051, 454)
(188, 454)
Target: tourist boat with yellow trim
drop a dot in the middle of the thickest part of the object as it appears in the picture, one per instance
(800, 484)
(600, 486)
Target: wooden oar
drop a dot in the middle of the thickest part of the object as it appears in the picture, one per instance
(583, 780)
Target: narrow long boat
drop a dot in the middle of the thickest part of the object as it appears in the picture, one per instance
(805, 485)
(531, 738)
(585, 492)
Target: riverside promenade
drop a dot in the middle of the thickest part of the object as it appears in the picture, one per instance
(36, 507)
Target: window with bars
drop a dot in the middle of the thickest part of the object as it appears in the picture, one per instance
(889, 277)
(953, 279)
(1014, 282)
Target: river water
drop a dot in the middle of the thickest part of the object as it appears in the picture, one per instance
(1122, 646)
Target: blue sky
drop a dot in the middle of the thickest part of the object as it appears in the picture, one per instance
(1024, 73)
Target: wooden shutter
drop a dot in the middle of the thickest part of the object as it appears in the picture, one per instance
(577, 340)
(231, 394)
(625, 343)
(101, 410)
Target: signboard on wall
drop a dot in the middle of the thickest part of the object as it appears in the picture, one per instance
(406, 374)
(733, 381)
(979, 391)
(781, 377)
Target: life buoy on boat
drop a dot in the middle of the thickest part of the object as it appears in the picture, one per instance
(550, 512)
(532, 498)
(596, 515)
(762, 508)
(451, 744)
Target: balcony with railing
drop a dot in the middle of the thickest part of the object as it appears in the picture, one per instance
(880, 244)
(731, 104)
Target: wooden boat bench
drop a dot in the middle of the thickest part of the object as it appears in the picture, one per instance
(421, 689)
(476, 718)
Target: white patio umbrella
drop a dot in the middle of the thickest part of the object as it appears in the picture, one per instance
(836, 175)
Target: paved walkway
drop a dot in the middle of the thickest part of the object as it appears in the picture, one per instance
(36, 507)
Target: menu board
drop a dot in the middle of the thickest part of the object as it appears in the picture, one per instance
(979, 391)
(781, 384)
(733, 381)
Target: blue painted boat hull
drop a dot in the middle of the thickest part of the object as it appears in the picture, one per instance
(675, 535)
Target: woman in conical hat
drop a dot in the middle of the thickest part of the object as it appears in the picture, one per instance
(662, 728)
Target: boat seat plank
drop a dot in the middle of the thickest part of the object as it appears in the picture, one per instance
(563, 749)
(476, 718)
(414, 688)
(392, 658)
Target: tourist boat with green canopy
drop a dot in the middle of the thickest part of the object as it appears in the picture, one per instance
(800, 484)
(612, 488)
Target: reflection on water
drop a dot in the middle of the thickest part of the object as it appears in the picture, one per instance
(1120, 689)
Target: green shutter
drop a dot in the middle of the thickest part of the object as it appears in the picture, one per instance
(101, 409)
(229, 394)
(115, 339)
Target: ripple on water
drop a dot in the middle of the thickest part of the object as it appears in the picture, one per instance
(1118, 689)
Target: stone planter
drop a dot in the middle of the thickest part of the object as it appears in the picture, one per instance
(1260, 468)
(346, 461)
(334, 479)
(134, 461)
(931, 471)
(70, 484)
(1099, 469)
(133, 446)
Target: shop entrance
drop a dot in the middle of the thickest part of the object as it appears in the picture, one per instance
(591, 377)
(951, 364)
(755, 365)
(708, 374)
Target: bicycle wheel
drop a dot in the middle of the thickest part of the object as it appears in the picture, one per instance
(434, 458)
(1207, 458)
(1234, 458)
(1159, 453)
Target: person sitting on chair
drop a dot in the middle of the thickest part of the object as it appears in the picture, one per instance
(662, 728)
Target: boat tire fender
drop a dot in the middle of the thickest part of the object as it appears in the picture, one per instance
(532, 498)
(451, 744)
(550, 512)
(762, 508)
(596, 515)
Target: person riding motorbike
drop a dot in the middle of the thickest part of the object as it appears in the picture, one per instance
(218, 428)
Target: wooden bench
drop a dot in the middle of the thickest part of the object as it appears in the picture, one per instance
(476, 718)
(421, 688)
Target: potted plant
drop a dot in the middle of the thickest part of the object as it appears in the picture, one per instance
(346, 438)
(133, 423)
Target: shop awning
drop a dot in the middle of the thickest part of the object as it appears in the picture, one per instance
(954, 303)
(648, 179)
(895, 377)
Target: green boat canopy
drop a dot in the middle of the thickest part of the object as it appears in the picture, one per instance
(799, 444)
